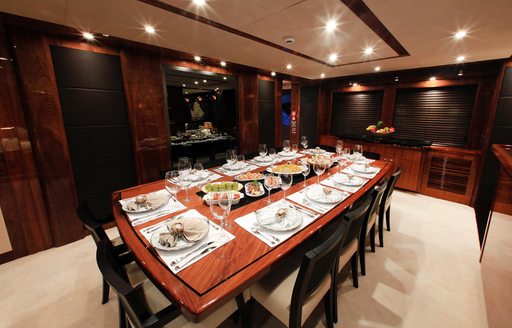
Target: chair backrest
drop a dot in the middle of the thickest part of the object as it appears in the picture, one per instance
(88, 221)
(131, 299)
(214, 163)
(356, 217)
(391, 185)
(371, 155)
(316, 264)
(376, 197)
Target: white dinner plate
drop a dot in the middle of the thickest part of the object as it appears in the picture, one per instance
(182, 243)
(197, 177)
(267, 219)
(156, 203)
(345, 180)
(286, 153)
(363, 169)
(234, 167)
(264, 159)
(320, 194)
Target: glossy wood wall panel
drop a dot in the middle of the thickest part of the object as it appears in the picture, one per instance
(278, 91)
(308, 113)
(247, 86)
(41, 101)
(144, 90)
(21, 199)
(266, 112)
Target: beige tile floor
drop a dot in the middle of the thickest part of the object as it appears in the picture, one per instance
(427, 275)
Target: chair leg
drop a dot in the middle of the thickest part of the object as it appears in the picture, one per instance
(381, 228)
(353, 267)
(243, 311)
(106, 290)
(123, 323)
(388, 214)
(372, 238)
(328, 309)
(362, 258)
(334, 288)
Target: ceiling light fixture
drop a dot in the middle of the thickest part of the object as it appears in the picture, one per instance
(322, 75)
(460, 35)
(195, 82)
(355, 84)
(289, 66)
(460, 73)
(461, 59)
(88, 36)
(186, 92)
(183, 85)
(223, 63)
(331, 25)
(105, 35)
(273, 73)
(224, 78)
(149, 29)
(432, 78)
(377, 68)
(199, 2)
(204, 81)
(368, 51)
(197, 58)
(333, 57)
(396, 79)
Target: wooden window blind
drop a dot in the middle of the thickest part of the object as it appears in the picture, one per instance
(441, 115)
(352, 112)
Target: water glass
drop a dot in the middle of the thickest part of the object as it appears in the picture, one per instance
(286, 145)
(339, 146)
(262, 150)
(319, 169)
(306, 168)
(270, 183)
(231, 156)
(171, 183)
(185, 183)
(198, 168)
(286, 182)
(295, 148)
(304, 142)
(221, 209)
(358, 151)
(184, 165)
(272, 153)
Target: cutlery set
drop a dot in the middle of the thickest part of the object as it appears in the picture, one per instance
(193, 254)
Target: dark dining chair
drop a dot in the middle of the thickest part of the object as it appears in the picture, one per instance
(371, 155)
(349, 249)
(293, 289)
(368, 227)
(385, 205)
(214, 163)
(143, 304)
(95, 227)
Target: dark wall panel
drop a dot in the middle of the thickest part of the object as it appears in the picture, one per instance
(352, 112)
(308, 113)
(266, 113)
(96, 122)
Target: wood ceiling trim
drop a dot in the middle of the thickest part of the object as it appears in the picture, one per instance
(358, 7)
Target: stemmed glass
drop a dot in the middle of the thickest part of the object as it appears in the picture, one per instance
(199, 169)
(171, 183)
(262, 150)
(272, 153)
(358, 151)
(319, 169)
(295, 148)
(286, 182)
(231, 157)
(270, 183)
(240, 161)
(286, 146)
(184, 165)
(304, 142)
(329, 163)
(306, 168)
(221, 209)
(339, 147)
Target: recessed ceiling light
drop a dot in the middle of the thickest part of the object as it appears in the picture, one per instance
(273, 73)
(432, 78)
(204, 81)
(368, 51)
(396, 79)
(88, 35)
(461, 59)
(197, 58)
(3, 58)
(186, 92)
(289, 66)
(460, 73)
(350, 83)
(322, 75)
(460, 34)
(331, 25)
(224, 78)
(184, 85)
(195, 82)
(223, 63)
(199, 2)
(377, 68)
(333, 57)
(355, 84)
(150, 29)
(105, 35)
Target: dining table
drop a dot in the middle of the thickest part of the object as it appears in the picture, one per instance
(205, 285)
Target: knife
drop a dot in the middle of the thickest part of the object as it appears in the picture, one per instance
(178, 260)
(197, 255)
(149, 216)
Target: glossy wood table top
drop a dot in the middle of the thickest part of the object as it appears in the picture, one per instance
(209, 283)
(504, 155)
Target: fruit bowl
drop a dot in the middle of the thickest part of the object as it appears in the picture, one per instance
(382, 134)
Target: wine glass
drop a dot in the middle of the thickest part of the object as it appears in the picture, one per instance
(306, 168)
(184, 165)
(231, 157)
(171, 183)
(304, 142)
(329, 162)
(295, 148)
(269, 182)
(185, 183)
(346, 152)
(286, 182)
(199, 170)
(272, 153)
(339, 147)
(262, 149)
(220, 209)
(358, 151)
(286, 146)
(319, 169)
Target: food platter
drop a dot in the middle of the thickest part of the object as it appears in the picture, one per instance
(285, 168)
(221, 186)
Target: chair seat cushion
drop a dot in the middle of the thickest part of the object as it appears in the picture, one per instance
(274, 291)
(117, 241)
(347, 253)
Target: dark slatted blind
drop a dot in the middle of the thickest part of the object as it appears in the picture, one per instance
(352, 112)
(440, 115)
